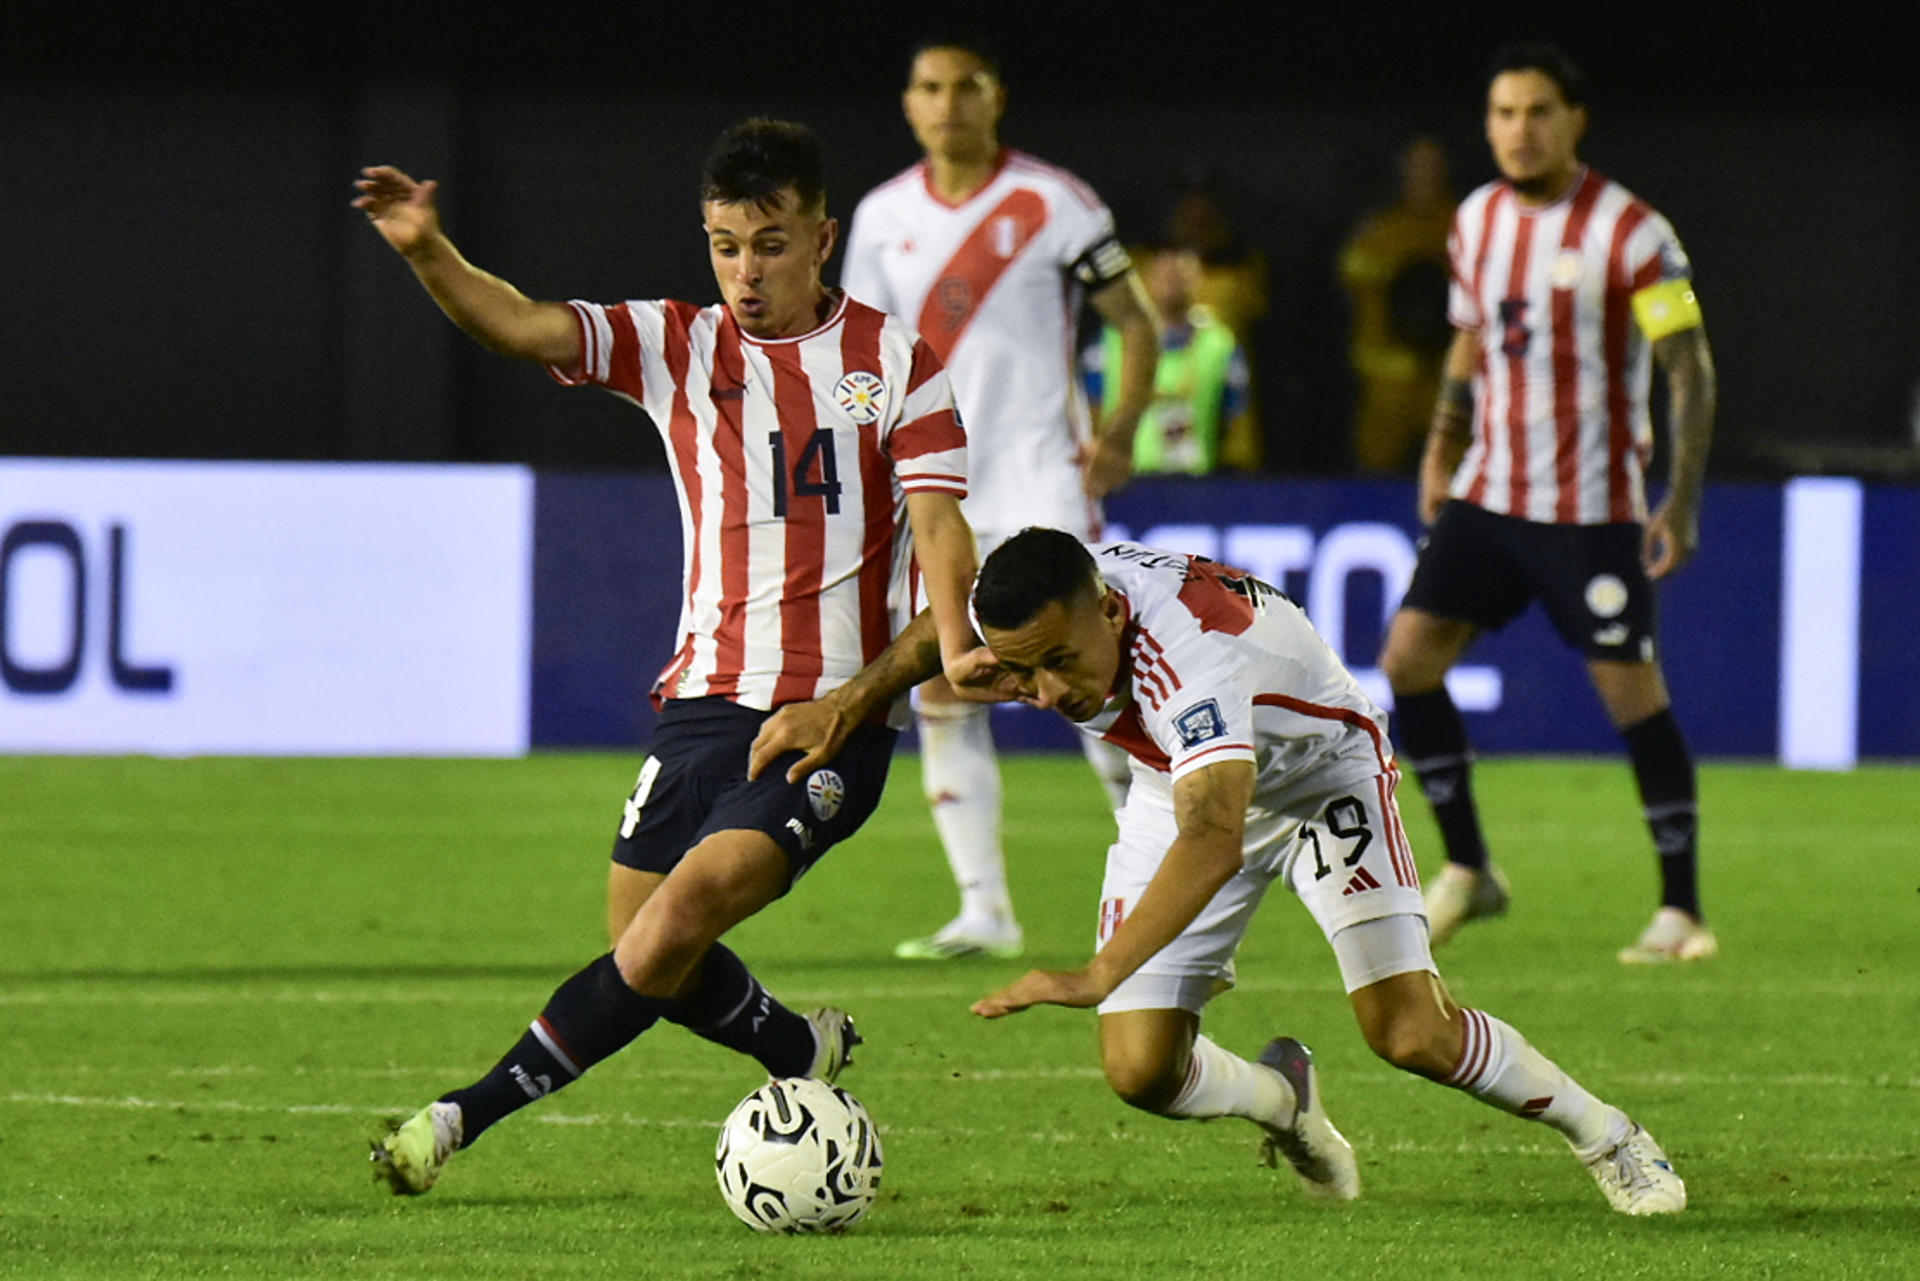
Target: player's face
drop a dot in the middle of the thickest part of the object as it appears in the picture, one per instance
(1533, 132)
(768, 262)
(953, 104)
(1065, 657)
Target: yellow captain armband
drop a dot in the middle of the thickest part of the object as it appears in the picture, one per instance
(1666, 308)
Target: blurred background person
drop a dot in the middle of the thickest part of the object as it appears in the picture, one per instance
(1231, 284)
(989, 253)
(1394, 269)
(1199, 418)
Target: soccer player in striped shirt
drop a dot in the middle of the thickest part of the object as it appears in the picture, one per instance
(1256, 760)
(820, 465)
(988, 252)
(1567, 290)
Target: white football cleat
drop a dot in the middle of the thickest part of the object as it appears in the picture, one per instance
(1634, 1173)
(1671, 936)
(410, 1159)
(834, 1039)
(964, 936)
(1461, 894)
(1318, 1153)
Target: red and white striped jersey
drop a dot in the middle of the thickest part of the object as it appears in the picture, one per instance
(793, 458)
(1561, 431)
(995, 284)
(1221, 666)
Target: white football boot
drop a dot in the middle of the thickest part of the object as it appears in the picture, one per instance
(1671, 936)
(834, 1039)
(1461, 894)
(1318, 1153)
(966, 936)
(1634, 1172)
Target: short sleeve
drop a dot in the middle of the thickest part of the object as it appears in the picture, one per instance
(612, 345)
(928, 445)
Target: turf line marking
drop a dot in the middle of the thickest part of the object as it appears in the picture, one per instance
(591, 1120)
(1683, 1080)
(213, 991)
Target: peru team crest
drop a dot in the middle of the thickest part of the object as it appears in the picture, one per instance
(862, 395)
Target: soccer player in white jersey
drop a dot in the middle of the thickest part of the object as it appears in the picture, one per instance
(1567, 289)
(988, 253)
(1256, 758)
(817, 455)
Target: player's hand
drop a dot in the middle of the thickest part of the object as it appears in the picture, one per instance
(977, 677)
(1073, 988)
(1670, 539)
(399, 208)
(1105, 465)
(817, 730)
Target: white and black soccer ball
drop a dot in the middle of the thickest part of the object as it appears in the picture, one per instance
(798, 1155)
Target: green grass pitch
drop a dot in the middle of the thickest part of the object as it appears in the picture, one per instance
(217, 976)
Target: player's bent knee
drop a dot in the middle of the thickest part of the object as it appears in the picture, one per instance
(1146, 1084)
(668, 936)
(1412, 1043)
(1408, 1020)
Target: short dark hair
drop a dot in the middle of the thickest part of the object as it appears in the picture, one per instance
(758, 159)
(1029, 571)
(1547, 58)
(966, 41)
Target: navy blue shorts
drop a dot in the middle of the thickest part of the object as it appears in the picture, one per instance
(1485, 568)
(694, 783)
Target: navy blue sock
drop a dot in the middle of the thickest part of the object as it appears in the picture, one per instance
(1663, 767)
(1434, 739)
(729, 1007)
(589, 1017)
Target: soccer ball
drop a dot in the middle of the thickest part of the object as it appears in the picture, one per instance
(798, 1155)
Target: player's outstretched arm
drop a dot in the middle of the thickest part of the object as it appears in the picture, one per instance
(943, 544)
(1673, 530)
(493, 312)
(1124, 304)
(818, 729)
(1210, 808)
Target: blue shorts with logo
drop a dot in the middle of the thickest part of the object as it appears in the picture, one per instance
(694, 783)
(1484, 568)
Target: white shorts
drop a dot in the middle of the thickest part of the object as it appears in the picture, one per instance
(1343, 854)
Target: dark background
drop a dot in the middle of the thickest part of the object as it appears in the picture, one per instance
(181, 276)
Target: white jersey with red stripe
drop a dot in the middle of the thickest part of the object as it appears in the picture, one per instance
(1561, 430)
(995, 284)
(792, 459)
(1220, 666)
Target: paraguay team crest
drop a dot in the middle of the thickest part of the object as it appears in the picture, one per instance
(863, 395)
(1606, 596)
(825, 790)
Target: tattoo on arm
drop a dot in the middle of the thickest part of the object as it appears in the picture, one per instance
(1453, 413)
(1692, 393)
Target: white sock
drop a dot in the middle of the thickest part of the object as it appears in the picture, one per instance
(1498, 1066)
(1111, 765)
(1224, 1084)
(961, 778)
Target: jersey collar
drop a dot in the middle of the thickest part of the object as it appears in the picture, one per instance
(926, 180)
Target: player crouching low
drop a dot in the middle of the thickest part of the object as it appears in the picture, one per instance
(1256, 758)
